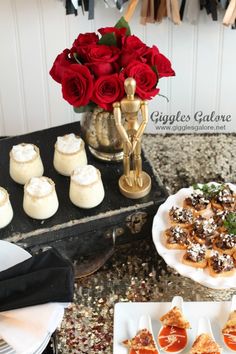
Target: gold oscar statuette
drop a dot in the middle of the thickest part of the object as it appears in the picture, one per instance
(134, 183)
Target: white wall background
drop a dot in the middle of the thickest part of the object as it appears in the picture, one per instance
(33, 32)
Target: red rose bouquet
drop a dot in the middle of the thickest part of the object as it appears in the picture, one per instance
(94, 69)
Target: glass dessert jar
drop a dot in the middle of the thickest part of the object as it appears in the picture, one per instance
(40, 198)
(25, 163)
(6, 212)
(86, 187)
(69, 153)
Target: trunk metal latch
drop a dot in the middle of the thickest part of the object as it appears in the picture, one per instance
(136, 221)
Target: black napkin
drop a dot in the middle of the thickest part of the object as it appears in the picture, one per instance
(45, 277)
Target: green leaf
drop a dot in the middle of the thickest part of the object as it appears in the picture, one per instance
(230, 223)
(75, 55)
(122, 23)
(209, 190)
(108, 39)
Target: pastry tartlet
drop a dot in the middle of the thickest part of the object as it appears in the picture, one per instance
(195, 256)
(181, 216)
(204, 230)
(25, 163)
(225, 243)
(220, 216)
(86, 187)
(6, 212)
(221, 265)
(225, 198)
(40, 198)
(198, 202)
(177, 238)
(69, 153)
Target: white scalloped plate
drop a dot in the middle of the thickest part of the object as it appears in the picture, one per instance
(173, 257)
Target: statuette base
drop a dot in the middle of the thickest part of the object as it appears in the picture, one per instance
(135, 191)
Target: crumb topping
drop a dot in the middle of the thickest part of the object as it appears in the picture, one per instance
(226, 241)
(181, 215)
(204, 228)
(198, 200)
(221, 263)
(196, 252)
(226, 196)
(177, 235)
(220, 216)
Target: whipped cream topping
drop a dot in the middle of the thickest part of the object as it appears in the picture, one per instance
(85, 175)
(2, 195)
(39, 187)
(23, 152)
(68, 143)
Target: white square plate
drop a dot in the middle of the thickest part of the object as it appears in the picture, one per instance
(127, 314)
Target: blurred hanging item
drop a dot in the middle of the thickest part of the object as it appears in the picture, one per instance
(130, 10)
(211, 8)
(144, 12)
(161, 11)
(192, 11)
(173, 11)
(230, 15)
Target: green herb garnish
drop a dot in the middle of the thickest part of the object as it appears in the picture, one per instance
(230, 223)
(209, 190)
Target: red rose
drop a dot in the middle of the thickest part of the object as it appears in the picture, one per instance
(118, 32)
(133, 49)
(86, 39)
(77, 85)
(107, 90)
(102, 69)
(146, 79)
(162, 64)
(61, 62)
(99, 53)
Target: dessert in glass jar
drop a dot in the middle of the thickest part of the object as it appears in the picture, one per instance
(25, 163)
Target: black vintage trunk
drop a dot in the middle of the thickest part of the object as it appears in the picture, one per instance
(77, 232)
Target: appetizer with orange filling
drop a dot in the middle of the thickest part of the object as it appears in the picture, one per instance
(181, 216)
(221, 265)
(173, 334)
(229, 331)
(177, 238)
(195, 256)
(142, 343)
(204, 343)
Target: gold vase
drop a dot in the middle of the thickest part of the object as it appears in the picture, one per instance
(100, 134)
